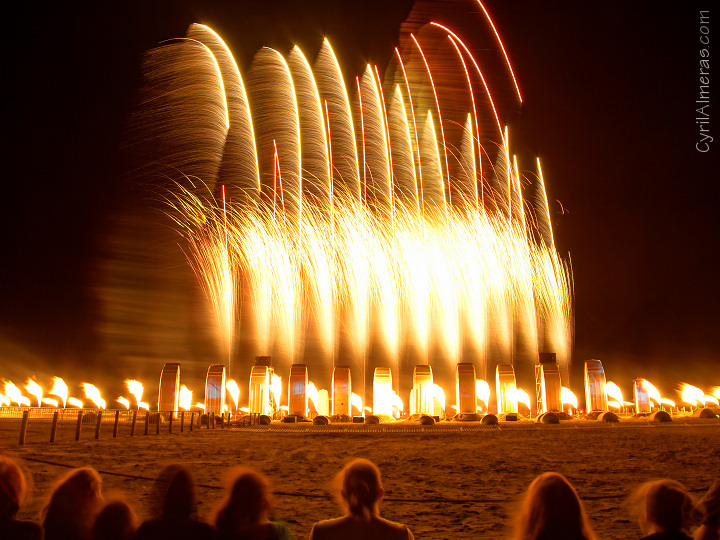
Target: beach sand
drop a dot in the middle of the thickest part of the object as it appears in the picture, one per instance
(442, 484)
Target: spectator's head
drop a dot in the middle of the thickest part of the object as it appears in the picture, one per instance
(360, 488)
(174, 494)
(12, 488)
(709, 506)
(247, 501)
(663, 506)
(116, 521)
(552, 509)
(74, 503)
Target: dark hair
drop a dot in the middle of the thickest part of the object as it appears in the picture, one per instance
(360, 487)
(246, 501)
(709, 505)
(73, 505)
(664, 503)
(173, 494)
(552, 509)
(12, 488)
(116, 521)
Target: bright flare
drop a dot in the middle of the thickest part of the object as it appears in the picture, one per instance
(482, 391)
(50, 401)
(93, 394)
(34, 388)
(568, 398)
(75, 402)
(136, 389)
(234, 392)
(124, 402)
(60, 389)
(692, 394)
(653, 392)
(185, 398)
(14, 393)
(613, 391)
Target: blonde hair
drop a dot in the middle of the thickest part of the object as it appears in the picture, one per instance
(552, 509)
(360, 488)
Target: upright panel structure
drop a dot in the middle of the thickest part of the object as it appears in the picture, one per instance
(215, 389)
(642, 398)
(342, 391)
(505, 388)
(169, 397)
(422, 396)
(595, 393)
(551, 388)
(260, 390)
(382, 391)
(297, 390)
(465, 388)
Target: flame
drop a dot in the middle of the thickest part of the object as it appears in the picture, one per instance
(439, 395)
(692, 394)
(715, 392)
(202, 406)
(710, 399)
(397, 405)
(312, 394)
(136, 389)
(356, 402)
(4, 401)
(124, 402)
(276, 388)
(14, 393)
(185, 398)
(60, 389)
(233, 390)
(144, 406)
(93, 394)
(668, 402)
(75, 402)
(521, 396)
(482, 391)
(50, 401)
(568, 398)
(34, 388)
(613, 391)
(653, 392)
(245, 409)
(614, 404)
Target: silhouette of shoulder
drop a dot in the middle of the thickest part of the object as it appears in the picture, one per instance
(20, 530)
(349, 528)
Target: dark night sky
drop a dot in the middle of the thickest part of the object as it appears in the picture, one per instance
(609, 90)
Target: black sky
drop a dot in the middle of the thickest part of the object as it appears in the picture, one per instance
(609, 106)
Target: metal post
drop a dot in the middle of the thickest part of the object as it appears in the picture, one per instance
(182, 421)
(157, 427)
(171, 421)
(132, 426)
(79, 425)
(97, 424)
(192, 419)
(53, 429)
(222, 420)
(147, 422)
(23, 426)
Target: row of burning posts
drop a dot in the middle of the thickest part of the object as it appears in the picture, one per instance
(604, 400)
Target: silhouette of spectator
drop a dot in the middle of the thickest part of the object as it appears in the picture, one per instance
(12, 495)
(552, 510)
(360, 491)
(709, 507)
(72, 506)
(243, 514)
(175, 508)
(663, 509)
(116, 521)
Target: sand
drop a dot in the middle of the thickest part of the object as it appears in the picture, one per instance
(443, 484)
